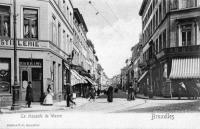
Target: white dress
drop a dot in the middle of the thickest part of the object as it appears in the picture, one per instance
(49, 98)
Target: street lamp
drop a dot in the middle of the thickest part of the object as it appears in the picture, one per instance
(15, 87)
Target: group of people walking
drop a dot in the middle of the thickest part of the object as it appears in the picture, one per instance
(48, 99)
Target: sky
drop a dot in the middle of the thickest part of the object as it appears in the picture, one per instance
(114, 27)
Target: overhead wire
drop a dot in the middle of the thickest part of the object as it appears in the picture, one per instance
(111, 10)
(99, 13)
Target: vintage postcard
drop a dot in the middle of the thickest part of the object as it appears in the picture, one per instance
(99, 64)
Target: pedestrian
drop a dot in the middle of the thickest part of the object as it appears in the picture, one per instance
(49, 97)
(131, 93)
(98, 92)
(69, 95)
(110, 94)
(29, 94)
(91, 94)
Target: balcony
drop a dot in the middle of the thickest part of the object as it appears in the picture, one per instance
(32, 44)
(180, 51)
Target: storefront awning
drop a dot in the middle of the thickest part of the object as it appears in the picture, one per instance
(143, 75)
(76, 78)
(92, 82)
(185, 68)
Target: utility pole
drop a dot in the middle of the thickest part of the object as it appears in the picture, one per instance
(15, 87)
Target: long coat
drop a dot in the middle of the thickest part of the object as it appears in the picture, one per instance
(110, 94)
(29, 93)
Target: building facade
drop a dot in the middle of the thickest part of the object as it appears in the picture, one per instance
(171, 43)
(52, 48)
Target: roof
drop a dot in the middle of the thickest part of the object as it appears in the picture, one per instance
(79, 18)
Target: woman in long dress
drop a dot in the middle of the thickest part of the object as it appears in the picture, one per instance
(49, 97)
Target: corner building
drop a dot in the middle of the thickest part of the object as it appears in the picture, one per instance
(171, 47)
(44, 42)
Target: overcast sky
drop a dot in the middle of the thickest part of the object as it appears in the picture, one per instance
(114, 27)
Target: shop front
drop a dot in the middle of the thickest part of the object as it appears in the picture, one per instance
(31, 70)
(185, 76)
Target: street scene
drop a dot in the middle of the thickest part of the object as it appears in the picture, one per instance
(99, 57)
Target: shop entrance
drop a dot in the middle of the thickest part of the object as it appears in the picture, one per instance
(33, 73)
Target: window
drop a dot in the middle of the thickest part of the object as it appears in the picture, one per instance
(174, 4)
(54, 31)
(187, 35)
(160, 13)
(188, 3)
(59, 35)
(157, 45)
(157, 18)
(164, 38)
(4, 21)
(30, 23)
(160, 42)
(164, 8)
(64, 40)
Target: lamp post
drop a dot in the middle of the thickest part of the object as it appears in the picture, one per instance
(15, 87)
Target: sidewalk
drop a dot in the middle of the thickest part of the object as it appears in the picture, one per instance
(37, 107)
(159, 98)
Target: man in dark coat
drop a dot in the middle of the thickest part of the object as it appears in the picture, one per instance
(29, 94)
(91, 93)
(69, 95)
(110, 94)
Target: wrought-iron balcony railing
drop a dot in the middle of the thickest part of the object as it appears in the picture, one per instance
(180, 51)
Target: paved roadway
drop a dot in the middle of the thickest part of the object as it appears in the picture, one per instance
(121, 105)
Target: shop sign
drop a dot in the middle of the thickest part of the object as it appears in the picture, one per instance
(20, 43)
(30, 63)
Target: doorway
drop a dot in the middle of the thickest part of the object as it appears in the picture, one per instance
(32, 72)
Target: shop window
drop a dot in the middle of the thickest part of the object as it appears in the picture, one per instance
(5, 76)
(36, 74)
(186, 35)
(30, 23)
(4, 21)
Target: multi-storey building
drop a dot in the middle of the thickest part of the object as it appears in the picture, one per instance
(44, 42)
(83, 54)
(171, 44)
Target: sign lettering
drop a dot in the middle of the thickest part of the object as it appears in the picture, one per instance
(20, 43)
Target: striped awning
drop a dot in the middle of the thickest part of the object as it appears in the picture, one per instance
(185, 68)
(76, 78)
(143, 75)
(91, 81)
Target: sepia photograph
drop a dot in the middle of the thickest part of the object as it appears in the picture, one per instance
(99, 64)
